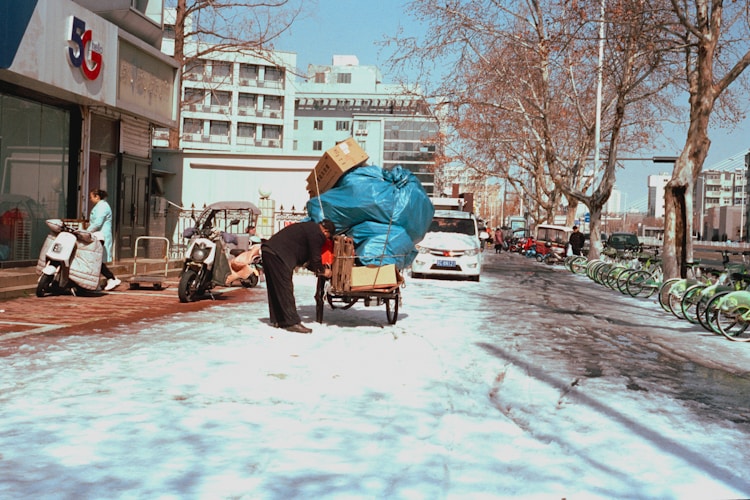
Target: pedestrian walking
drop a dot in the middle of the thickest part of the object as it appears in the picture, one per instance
(100, 219)
(576, 241)
(498, 240)
(296, 245)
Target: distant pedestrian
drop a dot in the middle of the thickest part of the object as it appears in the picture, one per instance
(576, 241)
(499, 240)
(295, 245)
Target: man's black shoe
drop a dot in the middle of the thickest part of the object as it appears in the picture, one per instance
(298, 328)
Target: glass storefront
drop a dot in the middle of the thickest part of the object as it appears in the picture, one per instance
(34, 180)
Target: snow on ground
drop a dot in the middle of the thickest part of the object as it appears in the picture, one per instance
(454, 401)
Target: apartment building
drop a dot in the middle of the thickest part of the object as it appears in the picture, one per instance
(656, 184)
(82, 84)
(348, 99)
(720, 207)
(248, 127)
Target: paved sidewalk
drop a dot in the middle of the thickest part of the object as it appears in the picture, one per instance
(98, 311)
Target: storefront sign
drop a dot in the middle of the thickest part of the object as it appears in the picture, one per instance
(84, 53)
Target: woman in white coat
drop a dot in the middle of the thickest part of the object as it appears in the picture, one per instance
(100, 219)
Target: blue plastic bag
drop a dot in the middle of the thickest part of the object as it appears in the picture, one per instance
(366, 202)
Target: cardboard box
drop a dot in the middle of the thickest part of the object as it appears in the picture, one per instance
(373, 277)
(332, 165)
(343, 262)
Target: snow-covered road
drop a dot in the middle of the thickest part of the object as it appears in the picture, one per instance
(532, 383)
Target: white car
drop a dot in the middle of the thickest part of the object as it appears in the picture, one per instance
(451, 248)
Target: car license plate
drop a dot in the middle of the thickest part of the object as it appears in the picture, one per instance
(446, 263)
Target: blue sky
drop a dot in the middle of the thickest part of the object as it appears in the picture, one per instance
(353, 27)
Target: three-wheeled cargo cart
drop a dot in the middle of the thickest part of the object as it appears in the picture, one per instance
(349, 283)
(150, 250)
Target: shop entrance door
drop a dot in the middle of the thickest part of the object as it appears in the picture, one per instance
(133, 213)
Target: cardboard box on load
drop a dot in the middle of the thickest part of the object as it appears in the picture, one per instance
(332, 165)
(373, 278)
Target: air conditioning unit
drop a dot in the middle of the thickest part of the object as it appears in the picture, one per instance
(274, 114)
(273, 144)
(244, 82)
(258, 143)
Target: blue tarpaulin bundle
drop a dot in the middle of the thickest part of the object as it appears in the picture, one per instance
(385, 212)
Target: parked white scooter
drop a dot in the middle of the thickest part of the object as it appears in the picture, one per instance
(206, 263)
(70, 259)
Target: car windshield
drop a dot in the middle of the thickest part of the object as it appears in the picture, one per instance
(623, 240)
(448, 225)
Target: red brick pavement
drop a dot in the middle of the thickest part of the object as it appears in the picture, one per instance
(97, 311)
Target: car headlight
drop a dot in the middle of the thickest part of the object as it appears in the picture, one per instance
(472, 252)
(422, 249)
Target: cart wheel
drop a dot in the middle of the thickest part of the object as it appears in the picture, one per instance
(392, 313)
(135, 286)
(157, 286)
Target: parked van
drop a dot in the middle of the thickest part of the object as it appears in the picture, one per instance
(552, 238)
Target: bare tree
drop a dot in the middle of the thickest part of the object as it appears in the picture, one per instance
(208, 27)
(712, 38)
(522, 86)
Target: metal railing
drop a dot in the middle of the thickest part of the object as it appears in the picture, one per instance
(176, 219)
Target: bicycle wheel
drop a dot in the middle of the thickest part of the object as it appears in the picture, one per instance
(663, 295)
(578, 264)
(592, 268)
(636, 283)
(708, 320)
(610, 280)
(690, 300)
(674, 301)
(732, 322)
(622, 280)
(601, 272)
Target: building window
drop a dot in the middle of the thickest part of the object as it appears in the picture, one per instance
(271, 132)
(220, 98)
(248, 71)
(318, 125)
(294, 145)
(221, 70)
(246, 102)
(273, 74)
(192, 126)
(342, 125)
(245, 130)
(317, 145)
(219, 128)
(296, 124)
(195, 69)
(272, 102)
(320, 77)
(193, 97)
(344, 78)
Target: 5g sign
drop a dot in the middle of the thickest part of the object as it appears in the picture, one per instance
(84, 53)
